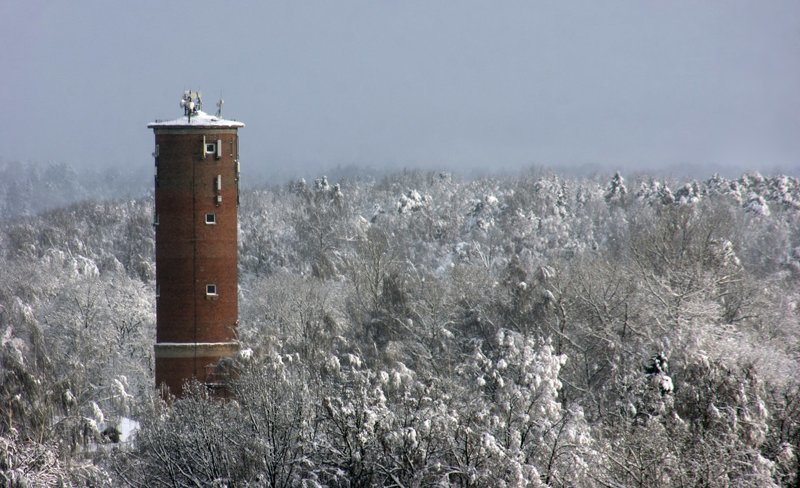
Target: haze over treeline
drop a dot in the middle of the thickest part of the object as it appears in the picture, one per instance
(420, 328)
(30, 187)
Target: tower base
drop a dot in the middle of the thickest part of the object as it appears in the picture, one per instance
(177, 362)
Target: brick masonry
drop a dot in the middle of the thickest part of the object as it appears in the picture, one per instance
(191, 253)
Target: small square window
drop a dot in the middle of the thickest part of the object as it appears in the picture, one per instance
(211, 218)
(211, 148)
(211, 289)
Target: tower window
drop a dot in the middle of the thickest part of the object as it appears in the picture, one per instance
(211, 148)
(211, 290)
(211, 218)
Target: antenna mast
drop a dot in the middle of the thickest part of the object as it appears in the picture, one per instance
(191, 103)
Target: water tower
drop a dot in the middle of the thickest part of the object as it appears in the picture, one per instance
(196, 220)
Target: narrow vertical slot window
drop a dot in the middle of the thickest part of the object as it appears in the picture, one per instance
(218, 183)
(218, 152)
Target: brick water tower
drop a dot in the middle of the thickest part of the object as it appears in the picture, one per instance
(196, 220)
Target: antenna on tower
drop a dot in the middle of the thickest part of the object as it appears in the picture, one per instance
(191, 102)
(220, 103)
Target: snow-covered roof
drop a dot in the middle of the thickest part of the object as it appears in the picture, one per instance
(199, 119)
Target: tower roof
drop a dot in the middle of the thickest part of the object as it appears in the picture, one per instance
(198, 119)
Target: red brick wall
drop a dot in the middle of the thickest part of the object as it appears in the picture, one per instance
(189, 252)
(174, 372)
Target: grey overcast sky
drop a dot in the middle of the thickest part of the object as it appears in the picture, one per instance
(455, 84)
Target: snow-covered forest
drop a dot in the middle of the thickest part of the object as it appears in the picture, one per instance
(420, 329)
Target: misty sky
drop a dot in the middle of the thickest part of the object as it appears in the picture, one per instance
(438, 84)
